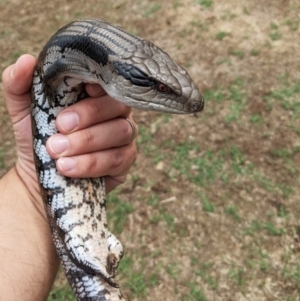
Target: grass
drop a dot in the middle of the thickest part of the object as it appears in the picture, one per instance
(206, 204)
(134, 280)
(256, 119)
(164, 216)
(255, 52)
(2, 156)
(207, 168)
(237, 97)
(288, 98)
(195, 293)
(204, 271)
(268, 227)
(199, 169)
(117, 212)
(173, 270)
(224, 177)
(237, 275)
(154, 8)
(237, 53)
(293, 24)
(205, 3)
(221, 35)
(62, 293)
(231, 210)
(275, 35)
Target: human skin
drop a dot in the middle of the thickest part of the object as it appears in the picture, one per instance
(95, 140)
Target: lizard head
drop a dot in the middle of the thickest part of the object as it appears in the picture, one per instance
(147, 78)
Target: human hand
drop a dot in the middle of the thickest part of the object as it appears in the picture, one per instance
(94, 133)
(101, 143)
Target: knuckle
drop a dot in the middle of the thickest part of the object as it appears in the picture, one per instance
(133, 152)
(89, 165)
(127, 110)
(126, 130)
(93, 109)
(88, 139)
(117, 159)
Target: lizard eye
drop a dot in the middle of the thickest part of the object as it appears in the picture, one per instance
(162, 88)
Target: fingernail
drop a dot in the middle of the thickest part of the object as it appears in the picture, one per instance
(58, 144)
(13, 70)
(68, 121)
(97, 90)
(66, 164)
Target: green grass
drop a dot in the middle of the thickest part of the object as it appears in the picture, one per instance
(282, 212)
(204, 270)
(118, 211)
(206, 203)
(292, 273)
(205, 167)
(237, 53)
(231, 210)
(293, 24)
(237, 275)
(268, 227)
(215, 95)
(154, 8)
(221, 35)
(205, 3)
(163, 216)
(288, 97)
(237, 95)
(285, 153)
(210, 166)
(199, 24)
(15, 55)
(255, 52)
(185, 32)
(133, 279)
(273, 187)
(2, 155)
(62, 294)
(195, 293)
(177, 4)
(173, 270)
(275, 35)
(256, 119)
(145, 141)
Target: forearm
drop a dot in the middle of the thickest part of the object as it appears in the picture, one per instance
(27, 256)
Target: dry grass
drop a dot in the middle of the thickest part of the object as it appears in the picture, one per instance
(231, 229)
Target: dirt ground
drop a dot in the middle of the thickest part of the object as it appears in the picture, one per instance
(210, 210)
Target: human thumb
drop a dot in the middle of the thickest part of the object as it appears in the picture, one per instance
(17, 80)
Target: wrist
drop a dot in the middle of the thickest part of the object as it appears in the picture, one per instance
(26, 248)
(28, 178)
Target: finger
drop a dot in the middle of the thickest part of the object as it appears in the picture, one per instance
(110, 134)
(17, 80)
(89, 112)
(94, 90)
(112, 182)
(112, 162)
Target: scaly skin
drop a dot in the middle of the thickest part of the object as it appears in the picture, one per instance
(131, 70)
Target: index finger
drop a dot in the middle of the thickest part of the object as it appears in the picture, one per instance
(90, 111)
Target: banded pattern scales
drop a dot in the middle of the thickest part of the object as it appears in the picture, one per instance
(131, 70)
